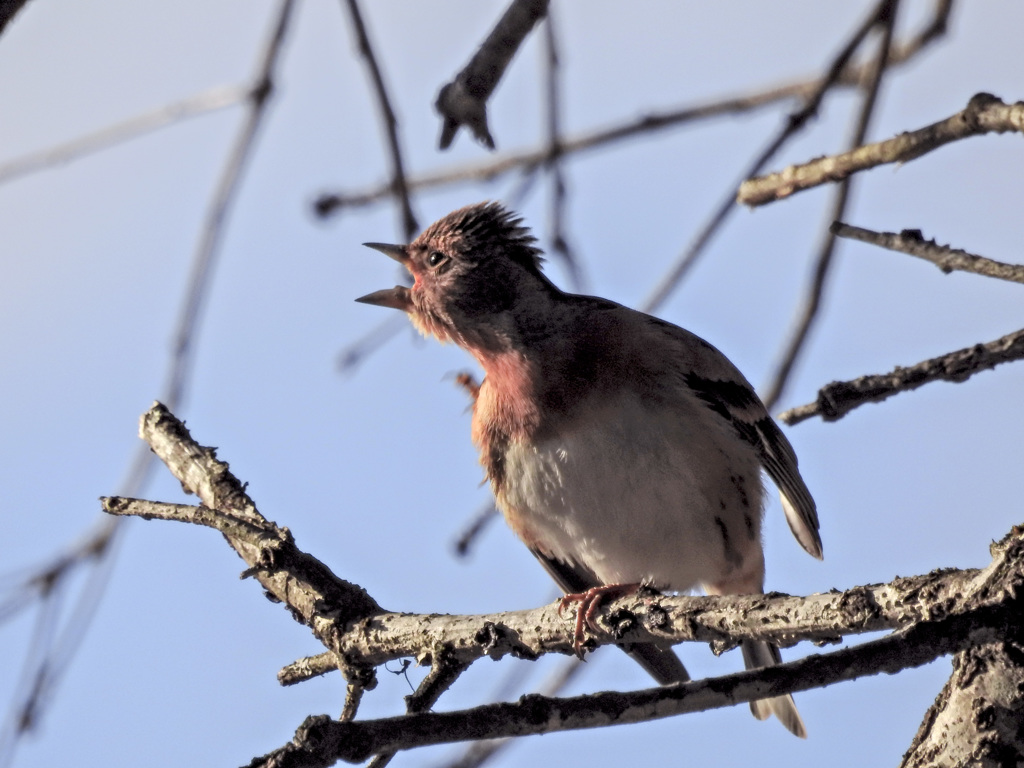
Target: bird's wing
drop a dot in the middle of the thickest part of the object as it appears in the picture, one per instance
(660, 663)
(721, 387)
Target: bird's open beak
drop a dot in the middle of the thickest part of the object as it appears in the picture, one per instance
(396, 252)
(397, 297)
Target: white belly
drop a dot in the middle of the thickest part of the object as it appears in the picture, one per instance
(668, 498)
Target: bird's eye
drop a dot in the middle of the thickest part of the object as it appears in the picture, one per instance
(436, 259)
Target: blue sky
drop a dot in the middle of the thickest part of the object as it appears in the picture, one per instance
(374, 472)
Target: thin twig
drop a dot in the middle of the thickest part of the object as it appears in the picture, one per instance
(840, 397)
(984, 114)
(479, 752)
(463, 101)
(399, 187)
(213, 227)
(885, 16)
(947, 259)
(353, 355)
(201, 104)
(443, 673)
(793, 125)
(559, 241)
(328, 204)
(307, 668)
(471, 532)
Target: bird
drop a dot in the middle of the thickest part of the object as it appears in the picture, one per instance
(621, 449)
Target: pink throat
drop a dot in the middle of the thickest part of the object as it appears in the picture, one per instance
(507, 399)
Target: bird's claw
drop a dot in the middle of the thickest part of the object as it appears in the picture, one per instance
(586, 614)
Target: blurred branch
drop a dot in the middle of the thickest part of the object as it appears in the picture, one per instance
(471, 532)
(213, 227)
(559, 241)
(840, 397)
(912, 242)
(793, 125)
(983, 114)
(201, 104)
(53, 652)
(463, 101)
(398, 183)
(444, 671)
(885, 18)
(479, 752)
(329, 204)
(352, 356)
(8, 10)
(851, 74)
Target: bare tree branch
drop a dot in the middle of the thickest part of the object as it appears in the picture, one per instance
(983, 114)
(213, 227)
(793, 125)
(840, 397)
(8, 10)
(444, 671)
(886, 19)
(322, 741)
(479, 752)
(307, 668)
(463, 101)
(201, 104)
(319, 599)
(328, 204)
(399, 187)
(300, 581)
(941, 612)
(912, 242)
(976, 719)
(472, 530)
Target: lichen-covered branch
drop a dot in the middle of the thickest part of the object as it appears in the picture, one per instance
(383, 636)
(322, 741)
(837, 399)
(314, 594)
(935, 614)
(912, 243)
(984, 113)
(976, 719)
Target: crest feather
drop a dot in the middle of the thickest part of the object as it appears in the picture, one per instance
(484, 225)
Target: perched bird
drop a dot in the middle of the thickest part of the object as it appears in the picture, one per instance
(622, 449)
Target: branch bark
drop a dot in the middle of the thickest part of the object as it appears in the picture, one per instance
(984, 113)
(938, 613)
(837, 399)
(912, 243)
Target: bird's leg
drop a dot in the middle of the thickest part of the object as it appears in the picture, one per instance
(590, 601)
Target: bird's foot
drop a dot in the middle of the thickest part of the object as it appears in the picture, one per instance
(590, 601)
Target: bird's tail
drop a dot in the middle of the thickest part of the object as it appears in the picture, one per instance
(758, 654)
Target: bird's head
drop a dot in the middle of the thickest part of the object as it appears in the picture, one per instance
(473, 271)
